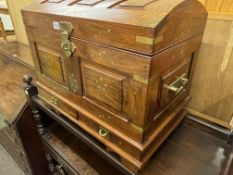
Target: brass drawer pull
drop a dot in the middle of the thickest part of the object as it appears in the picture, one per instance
(175, 90)
(54, 101)
(178, 85)
(104, 133)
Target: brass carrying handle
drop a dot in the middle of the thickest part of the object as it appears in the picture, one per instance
(175, 90)
(178, 85)
(103, 132)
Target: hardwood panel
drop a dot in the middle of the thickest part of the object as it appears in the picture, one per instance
(212, 84)
(50, 64)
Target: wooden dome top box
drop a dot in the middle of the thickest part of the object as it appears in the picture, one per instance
(119, 69)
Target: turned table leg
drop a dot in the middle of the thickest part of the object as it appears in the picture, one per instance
(30, 91)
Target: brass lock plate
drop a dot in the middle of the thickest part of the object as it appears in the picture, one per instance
(67, 46)
(66, 28)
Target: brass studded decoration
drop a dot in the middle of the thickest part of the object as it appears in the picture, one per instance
(73, 83)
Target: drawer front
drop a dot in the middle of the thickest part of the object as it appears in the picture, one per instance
(80, 105)
(109, 138)
(57, 104)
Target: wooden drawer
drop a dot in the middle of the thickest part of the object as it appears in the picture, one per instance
(57, 104)
(109, 139)
(81, 105)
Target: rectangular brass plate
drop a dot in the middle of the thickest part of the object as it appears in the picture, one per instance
(145, 40)
(140, 79)
(50, 64)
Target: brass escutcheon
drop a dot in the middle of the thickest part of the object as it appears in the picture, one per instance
(54, 101)
(67, 46)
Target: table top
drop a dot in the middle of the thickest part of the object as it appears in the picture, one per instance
(12, 97)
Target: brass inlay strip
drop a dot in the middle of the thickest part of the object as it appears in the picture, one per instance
(141, 130)
(145, 40)
(158, 39)
(148, 40)
(140, 79)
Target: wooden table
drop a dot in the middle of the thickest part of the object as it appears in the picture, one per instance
(12, 102)
(191, 149)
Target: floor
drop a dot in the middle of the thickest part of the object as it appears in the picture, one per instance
(8, 165)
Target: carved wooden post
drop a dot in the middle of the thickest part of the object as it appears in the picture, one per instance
(30, 91)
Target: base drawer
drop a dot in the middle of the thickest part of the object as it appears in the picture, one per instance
(109, 138)
(57, 104)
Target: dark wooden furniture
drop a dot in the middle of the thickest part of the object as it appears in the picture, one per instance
(120, 70)
(17, 126)
(12, 103)
(196, 147)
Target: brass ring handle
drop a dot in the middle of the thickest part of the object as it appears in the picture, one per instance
(103, 132)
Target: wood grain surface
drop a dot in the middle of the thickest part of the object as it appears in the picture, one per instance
(12, 97)
(222, 6)
(206, 154)
(122, 51)
(212, 85)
